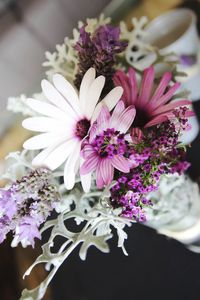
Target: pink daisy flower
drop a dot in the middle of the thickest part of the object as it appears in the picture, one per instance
(105, 150)
(153, 102)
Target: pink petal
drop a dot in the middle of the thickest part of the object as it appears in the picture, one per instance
(126, 119)
(121, 79)
(136, 135)
(165, 98)
(121, 163)
(133, 85)
(162, 86)
(107, 171)
(146, 87)
(190, 113)
(157, 120)
(89, 164)
(169, 107)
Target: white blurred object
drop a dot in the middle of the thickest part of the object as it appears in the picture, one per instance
(176, 210)
(176, 32)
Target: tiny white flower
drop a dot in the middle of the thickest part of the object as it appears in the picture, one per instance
(65, 121)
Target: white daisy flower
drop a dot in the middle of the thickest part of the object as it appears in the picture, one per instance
(65, 122)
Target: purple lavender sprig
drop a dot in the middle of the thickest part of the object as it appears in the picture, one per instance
(99, 50)
(26, 205)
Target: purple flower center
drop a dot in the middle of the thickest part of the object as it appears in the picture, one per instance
(82, 128)
(110, 143)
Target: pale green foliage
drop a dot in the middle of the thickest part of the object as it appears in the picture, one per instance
(97, 223)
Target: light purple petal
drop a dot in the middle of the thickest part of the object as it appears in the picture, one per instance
(87, 150)
(99, 178)
(94, 130)
(121, 163)
(107, 171)
(126, 119)
(89, 164)
(103, 118)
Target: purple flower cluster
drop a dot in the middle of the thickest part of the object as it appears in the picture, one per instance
(110, 143)
(156, 153)
(181, 116)
(26, 205)
(126, 193)
(99, 50)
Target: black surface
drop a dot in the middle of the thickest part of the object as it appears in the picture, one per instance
(156, 268)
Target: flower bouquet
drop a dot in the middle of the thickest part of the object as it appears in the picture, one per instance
(108, 130)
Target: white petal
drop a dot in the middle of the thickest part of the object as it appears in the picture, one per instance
(44, 124)
(38, 160)
(47, 109)
(57, 157)
(71, 166)
(94, 95)
(86, 182)
(68, 91)
(41, 141)
(56, 98)
(86, 82)
(110, 100)
(86, 179)
(119, 108)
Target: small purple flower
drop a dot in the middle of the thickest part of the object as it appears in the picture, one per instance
(7, 207)
(27, 230)
(188, 60)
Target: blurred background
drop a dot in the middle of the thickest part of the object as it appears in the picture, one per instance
(156, 268)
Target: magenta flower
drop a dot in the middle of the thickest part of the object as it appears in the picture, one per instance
(153, 102)
(106, 148)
